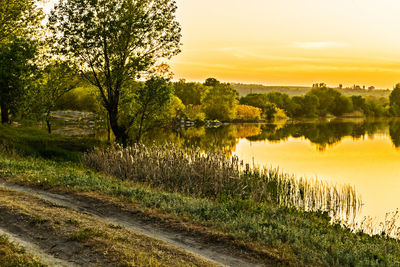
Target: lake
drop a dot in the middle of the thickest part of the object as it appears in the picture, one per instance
(364, 154)
(357, 152)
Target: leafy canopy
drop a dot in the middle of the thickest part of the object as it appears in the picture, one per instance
(113, 42)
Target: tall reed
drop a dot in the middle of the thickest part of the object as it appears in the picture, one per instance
(215, 176)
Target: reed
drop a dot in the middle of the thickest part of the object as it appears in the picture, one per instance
(212, 175)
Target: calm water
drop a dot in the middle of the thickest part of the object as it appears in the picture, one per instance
(365, 154)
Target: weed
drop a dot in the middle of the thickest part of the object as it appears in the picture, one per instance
(38, 221)
(85, 234)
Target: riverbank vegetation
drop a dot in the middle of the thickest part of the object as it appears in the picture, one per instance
(267, 228)
(113, 69)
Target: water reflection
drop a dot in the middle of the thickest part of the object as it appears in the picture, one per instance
(364, 154)
(322, 134)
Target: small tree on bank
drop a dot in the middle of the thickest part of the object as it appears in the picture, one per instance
(113, 41)
(55, 81)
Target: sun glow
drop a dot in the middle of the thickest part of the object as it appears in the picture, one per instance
(290, 42)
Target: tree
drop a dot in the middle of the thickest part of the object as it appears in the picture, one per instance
(17, 16)
(283, 102)
(189, 93)
(113, 42)
(260, 101)
(219, 103)
(147, 105)
(395, 101)
(331, 101)
(341, 105)
(211, 82)
(56, 80)
(310, 106)
(15, 68)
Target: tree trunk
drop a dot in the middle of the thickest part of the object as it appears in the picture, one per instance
(4, 113)
(48, 117)
(119, 131)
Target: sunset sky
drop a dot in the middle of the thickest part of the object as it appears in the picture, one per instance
(290, 42)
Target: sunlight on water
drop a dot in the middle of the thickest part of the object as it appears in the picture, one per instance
(371, 164)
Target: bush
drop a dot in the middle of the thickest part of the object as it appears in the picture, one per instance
(248, 113)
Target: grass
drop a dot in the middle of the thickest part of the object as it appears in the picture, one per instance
(212, 175)
(293, 236)
(85, 234)
(12, 255)
(284, 232)
(37, 143)
(93, 241)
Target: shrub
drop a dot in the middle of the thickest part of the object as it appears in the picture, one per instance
(248, 113)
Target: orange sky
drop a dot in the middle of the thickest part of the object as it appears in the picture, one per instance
(290, 42)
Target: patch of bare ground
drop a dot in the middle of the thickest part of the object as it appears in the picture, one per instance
(210, 245)
(83, 239)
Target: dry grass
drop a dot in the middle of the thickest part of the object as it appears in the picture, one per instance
(12, 255)
(213, 175)
(89, 239)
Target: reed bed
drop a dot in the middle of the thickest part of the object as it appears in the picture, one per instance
(212, 175)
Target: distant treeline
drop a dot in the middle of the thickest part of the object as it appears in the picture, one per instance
(245, 89)
(213, 100)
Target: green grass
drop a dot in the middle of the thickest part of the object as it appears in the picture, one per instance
(85, 234)
(298, 238)
(37, 143)
(13, 256)
(294, 236)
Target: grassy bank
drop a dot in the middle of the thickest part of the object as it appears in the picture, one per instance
(289, 235)
(12, 255)
(37, 143)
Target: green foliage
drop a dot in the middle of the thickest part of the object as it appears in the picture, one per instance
(18, 17)
(282, 101)
(331, 101)
(37, 143)
(395, 101)
(85, 234)
(80, 99)
(260, 101)
(294, 237)
(194, 113)
(212, 82)
(15, 68)
(219, 103)
(189, 93)
(113, 42)
(147, 105)
(54, 82)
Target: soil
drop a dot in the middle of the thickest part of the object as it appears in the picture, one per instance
(213, 252)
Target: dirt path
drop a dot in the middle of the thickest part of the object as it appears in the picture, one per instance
(214, 253)
(35, 250)
(56, 232)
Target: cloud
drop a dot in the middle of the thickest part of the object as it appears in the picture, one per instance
(318, 45)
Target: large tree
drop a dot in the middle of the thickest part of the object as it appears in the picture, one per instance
(113, 41)
(15, 67)
(17, 16)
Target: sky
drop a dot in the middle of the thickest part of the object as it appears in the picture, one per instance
(290, 42)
